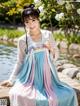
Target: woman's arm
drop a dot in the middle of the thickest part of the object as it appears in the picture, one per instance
(51, 45)
(20, 59)
(54, 48)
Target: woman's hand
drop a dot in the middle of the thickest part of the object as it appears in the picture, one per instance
(49, 47)
(6, 83)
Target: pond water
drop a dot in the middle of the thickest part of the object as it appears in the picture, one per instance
(8, 57)
(8, 54)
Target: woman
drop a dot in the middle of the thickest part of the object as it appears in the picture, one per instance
(34, 77)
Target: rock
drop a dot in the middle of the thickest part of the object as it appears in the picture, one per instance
(5, 38)
(62, 61)
(76, 56)
(15, 43)
(74, 48)
(57, 63)
(63, 44)
(68, 65)
(4, 91)
(63, 47)
(4, 96)
(10, 40)
(59, 68)
(78, 76)
(15, 40)
(1, 38)
(71, 72)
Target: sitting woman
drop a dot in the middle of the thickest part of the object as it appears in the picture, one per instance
(34, 78)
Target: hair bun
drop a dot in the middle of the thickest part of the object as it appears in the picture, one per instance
(38, 11)
(32, 5)
(29, 6)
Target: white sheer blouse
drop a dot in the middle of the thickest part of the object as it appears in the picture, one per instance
(46, 35)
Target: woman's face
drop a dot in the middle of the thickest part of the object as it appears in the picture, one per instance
(32, 24)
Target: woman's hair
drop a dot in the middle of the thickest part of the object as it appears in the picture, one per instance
(30, 10)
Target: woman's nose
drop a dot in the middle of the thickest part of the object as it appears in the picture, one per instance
(31, 25)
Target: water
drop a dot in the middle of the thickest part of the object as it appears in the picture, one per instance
(8, 56)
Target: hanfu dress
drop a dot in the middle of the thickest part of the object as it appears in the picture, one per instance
(36, 79)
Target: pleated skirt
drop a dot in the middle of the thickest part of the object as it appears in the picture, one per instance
(37, 84)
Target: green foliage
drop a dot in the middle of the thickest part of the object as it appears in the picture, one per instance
(2, 32)
(59, 35)
(10, 33)
(70, 23)
(11, 8)
(14, 6)
(69, 8)
(72, 38)
(14, 33)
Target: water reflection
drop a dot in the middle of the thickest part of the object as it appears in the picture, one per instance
(8, 55)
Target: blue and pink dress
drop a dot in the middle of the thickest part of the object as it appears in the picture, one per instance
(37, 82)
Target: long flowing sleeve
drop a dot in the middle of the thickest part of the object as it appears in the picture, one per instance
(54, 46)
(20, 58)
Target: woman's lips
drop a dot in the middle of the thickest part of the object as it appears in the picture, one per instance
(32, 27)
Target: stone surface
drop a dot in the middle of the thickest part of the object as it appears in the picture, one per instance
(59, 68)
(63, 47)
(1, 38)
(74, 49)
(4, 96)
(5, 38)
(71, 72)
(62, 61)
(78, 76)
(15, 40)
(10, 40)
(68, 65)
(76, 56)
(4, 91)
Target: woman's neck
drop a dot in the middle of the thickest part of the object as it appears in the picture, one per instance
(36, 36)
(33, 33)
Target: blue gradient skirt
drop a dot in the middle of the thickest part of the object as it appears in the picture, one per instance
(38, 84)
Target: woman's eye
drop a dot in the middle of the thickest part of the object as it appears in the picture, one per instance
(33, 20)
(26, 21)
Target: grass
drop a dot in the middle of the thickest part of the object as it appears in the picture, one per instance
(71, 38)
(11, 32)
